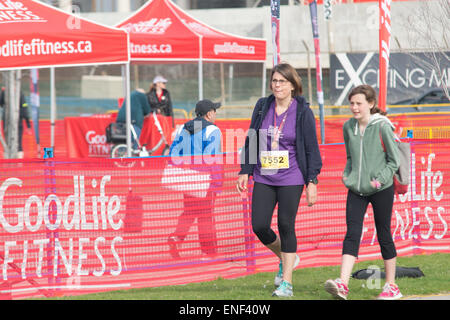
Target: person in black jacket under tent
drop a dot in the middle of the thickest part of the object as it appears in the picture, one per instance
(23, 115)
(159, 98)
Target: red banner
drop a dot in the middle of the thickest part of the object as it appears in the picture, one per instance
(86, 137)
(233, 132)
(72, 227)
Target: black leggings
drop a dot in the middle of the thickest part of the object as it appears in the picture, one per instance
(382, 203)
(264, 199)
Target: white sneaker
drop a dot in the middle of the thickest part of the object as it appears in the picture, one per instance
(390, 292)
(284, 290)
(337, 289)
(279, 275)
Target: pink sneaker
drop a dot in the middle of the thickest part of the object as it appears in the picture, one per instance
(337, 289)
(390, 292)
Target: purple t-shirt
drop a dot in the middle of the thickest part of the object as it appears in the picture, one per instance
(280, 177)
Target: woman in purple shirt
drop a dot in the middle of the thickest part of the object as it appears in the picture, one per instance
(282, 153)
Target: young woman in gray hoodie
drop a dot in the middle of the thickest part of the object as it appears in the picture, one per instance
(368, 175)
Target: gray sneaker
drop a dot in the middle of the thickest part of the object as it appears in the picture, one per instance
(279, 275)
(284, 290)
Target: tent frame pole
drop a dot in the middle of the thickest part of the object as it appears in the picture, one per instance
(127, 88)
(200, 79)
(200, 71)
(52, 108)
(264, 75)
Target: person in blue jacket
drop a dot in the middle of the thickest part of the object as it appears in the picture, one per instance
(199, 137)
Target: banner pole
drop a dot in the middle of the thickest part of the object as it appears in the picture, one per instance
(54, 281)
(384, 50)
(275, 26)
(250, 256)
(320, 100)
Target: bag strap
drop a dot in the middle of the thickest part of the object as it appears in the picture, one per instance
(382, 142)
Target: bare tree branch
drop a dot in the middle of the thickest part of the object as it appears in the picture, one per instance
(428, 28)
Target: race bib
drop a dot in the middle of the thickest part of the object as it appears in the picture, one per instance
(274, 159)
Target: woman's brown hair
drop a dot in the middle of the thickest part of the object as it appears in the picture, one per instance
(290, 74)
(371, 97)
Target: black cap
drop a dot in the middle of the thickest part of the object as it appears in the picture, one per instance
(204, 106)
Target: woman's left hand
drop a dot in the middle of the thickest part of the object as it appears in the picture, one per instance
(311, 194)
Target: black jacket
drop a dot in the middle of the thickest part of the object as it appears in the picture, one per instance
(165, 105)
(23, 113)
(307, 147)
(23, 109)
(2, 98)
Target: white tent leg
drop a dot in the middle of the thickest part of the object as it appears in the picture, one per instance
(200, 79)
(230, 84)
(200, 70)
(128, 107)
(264, 75)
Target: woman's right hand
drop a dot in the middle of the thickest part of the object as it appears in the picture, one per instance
(242, 182)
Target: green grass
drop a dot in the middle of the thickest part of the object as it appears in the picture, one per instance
(308, 284)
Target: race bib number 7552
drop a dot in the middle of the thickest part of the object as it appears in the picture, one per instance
(274, 159)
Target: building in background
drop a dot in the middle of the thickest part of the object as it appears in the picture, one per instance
(352, 30)
(131, 5)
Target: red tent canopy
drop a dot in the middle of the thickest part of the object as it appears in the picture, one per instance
(33, 34)
(36, 35)
(161, 31)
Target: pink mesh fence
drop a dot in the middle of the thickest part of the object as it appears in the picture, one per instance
(70, 227)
